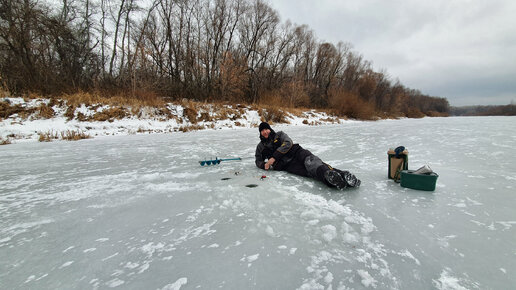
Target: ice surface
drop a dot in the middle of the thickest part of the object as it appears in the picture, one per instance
(138, 212)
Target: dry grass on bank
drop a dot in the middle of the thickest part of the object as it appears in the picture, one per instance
(119, 107)
(48, 136)
(142, 99)
(6, 110)
(273, 107)
(69, 135)
(350, 105)
(415, 113)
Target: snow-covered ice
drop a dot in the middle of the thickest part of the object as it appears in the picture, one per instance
(138, 212)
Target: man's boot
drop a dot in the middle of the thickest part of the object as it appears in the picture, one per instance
(351, 180)
(335, 179)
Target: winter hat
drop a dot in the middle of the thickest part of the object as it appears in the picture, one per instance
(264, 125)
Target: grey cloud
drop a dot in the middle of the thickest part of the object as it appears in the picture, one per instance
(463, 50)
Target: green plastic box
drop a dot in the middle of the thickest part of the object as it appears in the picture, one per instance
(427, 182)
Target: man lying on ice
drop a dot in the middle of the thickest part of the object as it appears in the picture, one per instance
(276, 151)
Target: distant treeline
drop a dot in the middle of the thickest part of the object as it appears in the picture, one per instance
(207, 50)
(507, 110)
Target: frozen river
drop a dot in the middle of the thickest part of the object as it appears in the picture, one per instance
(138, 212)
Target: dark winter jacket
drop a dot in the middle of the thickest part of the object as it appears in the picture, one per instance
(278, 145)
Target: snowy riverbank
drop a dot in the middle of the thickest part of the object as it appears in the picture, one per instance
(30, 126)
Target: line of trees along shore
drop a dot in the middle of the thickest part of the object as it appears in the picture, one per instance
(501, 110)
(207, 50)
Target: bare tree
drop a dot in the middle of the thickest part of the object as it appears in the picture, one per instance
(257, 21)
(117, 24)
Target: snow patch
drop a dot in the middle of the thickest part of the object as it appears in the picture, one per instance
(66, 264)
(269, 231)
(176, 285)
(115, 283)
(329, 232)
(366, 279)
(447, 282)
(409, 255)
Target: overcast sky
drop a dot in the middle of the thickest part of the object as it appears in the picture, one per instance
(463, 50)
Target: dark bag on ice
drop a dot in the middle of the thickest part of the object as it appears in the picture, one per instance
(398, 161)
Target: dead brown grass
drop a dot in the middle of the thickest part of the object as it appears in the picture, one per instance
(70, 112)
(140, 99)
(190, 110)
(298, 112)
(45, 111)
(71, 135)
(5, 141)
(110, 115)
(291, 95)
(7, 109)
(223, 112)
(330, 120)
(48, 136)
(190, 114)
(122, 102)
(189, 128)
(272, 99)
(348, 104)
(272, 115)
(205, 117)
(414, 113)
